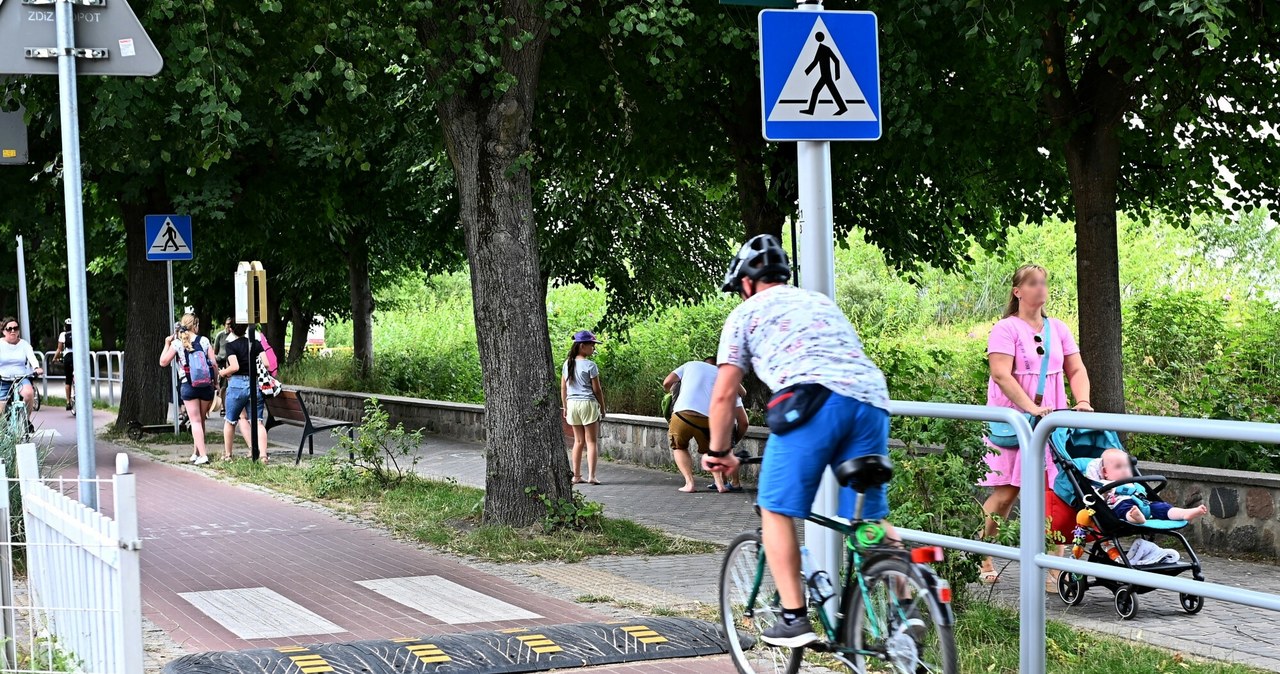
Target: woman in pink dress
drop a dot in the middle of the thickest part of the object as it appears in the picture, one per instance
(1015, 351)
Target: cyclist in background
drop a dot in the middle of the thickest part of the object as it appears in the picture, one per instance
(830, 405)
(17, 361)
(68, 363)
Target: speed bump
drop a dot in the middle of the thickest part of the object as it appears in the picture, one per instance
(518, 650)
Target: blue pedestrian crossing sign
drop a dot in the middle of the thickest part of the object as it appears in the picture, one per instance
(169, 238)
(820, 75)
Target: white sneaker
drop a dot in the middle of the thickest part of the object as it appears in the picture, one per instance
(200, 461)
(193, 458)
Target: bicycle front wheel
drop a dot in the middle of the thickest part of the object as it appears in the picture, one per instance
(742, 576)
(892, 623)
(18, 422)
(35, 402)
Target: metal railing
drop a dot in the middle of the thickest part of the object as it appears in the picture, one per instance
(106, 371)
(1030, 553)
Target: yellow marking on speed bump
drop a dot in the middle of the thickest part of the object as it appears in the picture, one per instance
(540, 644)
(311, 663)
(644, 635)
(292, 649)
(515, 630)
(429, 653)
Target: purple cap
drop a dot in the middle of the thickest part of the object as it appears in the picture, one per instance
(585, 337)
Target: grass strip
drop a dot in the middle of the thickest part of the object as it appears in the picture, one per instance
(446, 515)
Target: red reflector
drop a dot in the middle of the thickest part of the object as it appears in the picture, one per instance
(926, 555)
(944, 594)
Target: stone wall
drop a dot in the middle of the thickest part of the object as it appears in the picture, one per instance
(1243, 506)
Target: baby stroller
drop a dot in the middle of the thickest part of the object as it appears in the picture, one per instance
(1100, 532)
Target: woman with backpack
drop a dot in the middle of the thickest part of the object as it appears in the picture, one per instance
(196, 372)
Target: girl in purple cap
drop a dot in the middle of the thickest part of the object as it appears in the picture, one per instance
(582, 403)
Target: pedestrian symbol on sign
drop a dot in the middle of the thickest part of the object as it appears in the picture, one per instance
(826, 60)
(821, 86)
(169, 237)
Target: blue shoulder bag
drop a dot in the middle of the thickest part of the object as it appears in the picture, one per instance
(1001, 434)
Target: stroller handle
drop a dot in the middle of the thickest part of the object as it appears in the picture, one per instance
(1136, 479)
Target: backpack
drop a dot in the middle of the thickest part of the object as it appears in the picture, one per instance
(198, 370)
(273, 364)
(669, 401)
(66, 346)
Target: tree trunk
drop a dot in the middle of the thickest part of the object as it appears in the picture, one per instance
(741, 124)
(361, 302)
(487, 137)
(108, 329)
(276, 325)
(1093, 164)
(146, 394)
(301, 322)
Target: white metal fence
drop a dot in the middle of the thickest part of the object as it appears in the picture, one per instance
(106, 375)
(79, 608)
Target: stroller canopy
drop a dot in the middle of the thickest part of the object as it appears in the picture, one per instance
(1083, 443)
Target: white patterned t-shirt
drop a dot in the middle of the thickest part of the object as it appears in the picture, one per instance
(789, 336)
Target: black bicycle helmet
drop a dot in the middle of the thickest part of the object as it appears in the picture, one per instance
(760, 257)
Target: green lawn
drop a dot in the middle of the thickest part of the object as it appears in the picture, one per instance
(446, 515)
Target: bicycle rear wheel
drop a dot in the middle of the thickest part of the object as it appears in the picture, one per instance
(35, 402)
(892, 613)
(744, 624)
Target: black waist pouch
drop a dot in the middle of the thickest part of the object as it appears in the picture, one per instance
(791, 407)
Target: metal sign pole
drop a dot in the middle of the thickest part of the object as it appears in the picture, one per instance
(254, 308)
(173, 370)
(24, 316)
(817, 273)
(77, 282)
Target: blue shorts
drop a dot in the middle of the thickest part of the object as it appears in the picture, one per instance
(793, 463)
(6, 388)
(238, 400)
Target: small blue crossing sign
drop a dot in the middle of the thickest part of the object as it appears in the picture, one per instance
(169, 237)
(820, 75)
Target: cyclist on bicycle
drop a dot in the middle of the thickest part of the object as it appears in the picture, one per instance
(832, 397)
(17, 362)
(68, 363)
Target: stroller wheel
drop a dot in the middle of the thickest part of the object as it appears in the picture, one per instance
(1191, 603)
(1126, 603)
(1071, 588)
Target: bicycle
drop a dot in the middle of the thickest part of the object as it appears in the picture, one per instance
(17, 419)
(894, 609)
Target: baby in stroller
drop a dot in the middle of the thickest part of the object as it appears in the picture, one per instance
(1130, 502)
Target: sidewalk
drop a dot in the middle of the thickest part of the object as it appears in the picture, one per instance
(649, 496)
(227, 567)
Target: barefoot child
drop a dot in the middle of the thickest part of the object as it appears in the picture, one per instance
(1129, 502)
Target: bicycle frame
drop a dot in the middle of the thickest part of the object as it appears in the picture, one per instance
(853, 535)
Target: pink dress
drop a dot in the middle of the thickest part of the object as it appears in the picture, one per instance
(1015, 337)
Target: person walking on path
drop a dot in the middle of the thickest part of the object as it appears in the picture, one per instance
(242, 354)
(830, 405)
(68, 363)
(195, 357)
(689, 423)
(1018, 352)
(17, 361)
(582, 403)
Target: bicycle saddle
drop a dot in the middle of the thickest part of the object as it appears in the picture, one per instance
(865, 472)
